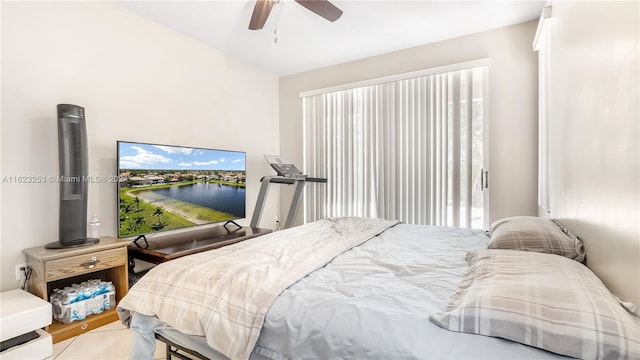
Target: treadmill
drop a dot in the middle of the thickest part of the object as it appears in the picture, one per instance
(288, 174)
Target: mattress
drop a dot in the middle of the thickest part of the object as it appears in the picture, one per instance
(372, 301)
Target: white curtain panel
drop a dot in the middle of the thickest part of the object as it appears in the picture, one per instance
(409, 150)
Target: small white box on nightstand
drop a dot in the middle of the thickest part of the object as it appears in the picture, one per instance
(22, 315)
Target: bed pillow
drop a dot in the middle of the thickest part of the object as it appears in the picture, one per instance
(549, 302)
(530, 233)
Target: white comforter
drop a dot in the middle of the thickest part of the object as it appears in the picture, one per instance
(224, 294)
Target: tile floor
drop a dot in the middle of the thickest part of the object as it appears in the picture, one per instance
(109, 342)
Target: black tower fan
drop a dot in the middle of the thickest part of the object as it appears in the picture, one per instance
(72, 152)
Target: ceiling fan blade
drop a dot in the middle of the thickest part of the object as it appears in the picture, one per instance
(323, 8)
(260, 14)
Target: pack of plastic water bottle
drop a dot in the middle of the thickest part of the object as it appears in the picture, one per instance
(78, 301)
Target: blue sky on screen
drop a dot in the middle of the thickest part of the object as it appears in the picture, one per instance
(163, 157)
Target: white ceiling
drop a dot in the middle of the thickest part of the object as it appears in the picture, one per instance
(306, 41)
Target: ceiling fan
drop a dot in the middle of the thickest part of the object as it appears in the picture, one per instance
(320, 7)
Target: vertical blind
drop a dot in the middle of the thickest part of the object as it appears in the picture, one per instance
(409, 150)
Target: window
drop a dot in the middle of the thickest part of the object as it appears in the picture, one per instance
(410, 149)
(541, 44)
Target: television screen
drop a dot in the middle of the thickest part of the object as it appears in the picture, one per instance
(165, 187)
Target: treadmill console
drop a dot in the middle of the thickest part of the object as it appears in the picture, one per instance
(283, 167)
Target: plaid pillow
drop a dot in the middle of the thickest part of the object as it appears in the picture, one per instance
(549, 302)
(530, 233)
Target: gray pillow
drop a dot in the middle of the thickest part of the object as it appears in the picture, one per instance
(546, 301)
(530, 233)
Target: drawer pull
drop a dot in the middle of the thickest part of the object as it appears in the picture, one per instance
(91, 263)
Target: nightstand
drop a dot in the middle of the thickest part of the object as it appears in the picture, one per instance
(57, 268)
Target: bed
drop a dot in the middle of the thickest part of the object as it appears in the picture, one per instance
(376, 289)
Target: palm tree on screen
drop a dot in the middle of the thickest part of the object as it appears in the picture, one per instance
(158, 212)
(138, 222)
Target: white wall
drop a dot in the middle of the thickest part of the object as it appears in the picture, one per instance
(137, 81)
(594, 119)
(513, 106)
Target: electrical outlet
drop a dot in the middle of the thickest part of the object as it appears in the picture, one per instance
(20, 273)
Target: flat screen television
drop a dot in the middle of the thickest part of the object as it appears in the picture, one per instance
(167, 187)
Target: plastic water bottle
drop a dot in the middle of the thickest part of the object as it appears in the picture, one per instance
(94, 227)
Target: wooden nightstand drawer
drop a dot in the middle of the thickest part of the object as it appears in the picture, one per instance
(83, 264)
